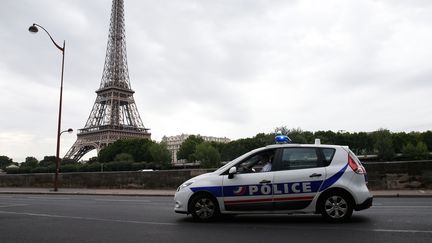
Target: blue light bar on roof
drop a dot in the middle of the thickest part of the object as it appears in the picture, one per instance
(280, 138)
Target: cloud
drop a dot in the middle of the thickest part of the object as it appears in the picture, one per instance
(220, 68)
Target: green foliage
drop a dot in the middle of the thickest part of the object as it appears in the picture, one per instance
(233, 149)
(420, 151)
(426, 137)
(5, 161)
(118, 166)
(124, 157)
(93, 160)
(188, 147)
(384, 144)
(138, 148)
(131, 150)
(93, 167)
(12, 170)
(43, 169)
(297, 136)
(70, 168)
(31, 162)
(160, 154)
(48, 161)
(207, 155)
(65, 161)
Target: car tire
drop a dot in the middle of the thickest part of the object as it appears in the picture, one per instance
(204, 208)
(336, 207)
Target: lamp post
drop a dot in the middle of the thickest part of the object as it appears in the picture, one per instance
(34, 29)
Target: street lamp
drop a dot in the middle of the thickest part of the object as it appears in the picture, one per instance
(34, 29)
(70, 130)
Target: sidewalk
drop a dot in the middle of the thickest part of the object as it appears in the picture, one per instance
(170, 193)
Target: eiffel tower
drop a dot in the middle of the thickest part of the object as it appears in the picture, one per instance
(114, 115)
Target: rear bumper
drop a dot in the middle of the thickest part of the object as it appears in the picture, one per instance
(365, 205)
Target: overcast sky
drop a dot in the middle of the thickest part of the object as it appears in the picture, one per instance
(226, 68)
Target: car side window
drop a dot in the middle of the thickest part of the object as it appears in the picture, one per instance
(328, 154)
(258, 162)
(299, 158)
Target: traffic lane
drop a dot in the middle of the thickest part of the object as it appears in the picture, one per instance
(113, 207)
(400, 214)
(106, 218)
(387, 213)
(49, 228)
(414, 211)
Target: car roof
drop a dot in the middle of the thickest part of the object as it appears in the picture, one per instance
(302, 145)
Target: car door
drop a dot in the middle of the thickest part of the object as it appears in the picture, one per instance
(249, 188)
(298, 175)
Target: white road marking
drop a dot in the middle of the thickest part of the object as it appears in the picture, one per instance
(88, 218)
(13, 205)
(50, 198)
(121, 200)
(402, 231)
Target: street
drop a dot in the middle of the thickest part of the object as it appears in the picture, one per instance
(77, 218)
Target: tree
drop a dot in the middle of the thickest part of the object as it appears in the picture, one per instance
(326, 137)
(138, 148)
(296, 136)
(232, 150)
(361, 143)
(66, 161)
(5, 161)
(187, 148)
(427, 139)
(30, 162)
(384, 144)
(48, 161)
(124, 157)
(419, 151)
(207, 155)
(160, 154)
(93, 160)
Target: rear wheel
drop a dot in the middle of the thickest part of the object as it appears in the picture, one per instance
(204, 208)
(336, 207)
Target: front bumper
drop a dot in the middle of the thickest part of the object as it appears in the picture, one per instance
(181, 200)
(365, 205)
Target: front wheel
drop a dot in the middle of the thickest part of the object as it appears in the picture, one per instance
(204, 208)
(336, 207)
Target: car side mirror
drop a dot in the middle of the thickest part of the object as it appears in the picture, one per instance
(231, 172)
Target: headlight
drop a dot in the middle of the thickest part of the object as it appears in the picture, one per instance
(184, 185)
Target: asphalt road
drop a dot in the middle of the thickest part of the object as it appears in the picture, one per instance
(72, 218)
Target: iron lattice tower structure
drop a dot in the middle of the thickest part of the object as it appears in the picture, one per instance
(114, 115)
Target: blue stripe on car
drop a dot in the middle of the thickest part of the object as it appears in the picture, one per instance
(214, 190)
(332, 180)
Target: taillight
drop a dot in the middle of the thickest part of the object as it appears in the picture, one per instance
(356, 167)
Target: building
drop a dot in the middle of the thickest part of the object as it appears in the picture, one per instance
(174, 143)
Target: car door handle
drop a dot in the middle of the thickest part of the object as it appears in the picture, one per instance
(315, 175)
(264, 182)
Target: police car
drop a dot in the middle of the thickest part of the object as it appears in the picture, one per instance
(304, 178)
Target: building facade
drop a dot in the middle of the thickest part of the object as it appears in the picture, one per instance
(174, 143)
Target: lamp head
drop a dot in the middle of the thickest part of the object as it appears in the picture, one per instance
(33, 29)
(70, 130)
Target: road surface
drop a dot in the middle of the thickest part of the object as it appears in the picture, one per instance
(75, 218)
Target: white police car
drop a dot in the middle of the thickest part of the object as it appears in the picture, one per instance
(325, 179)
